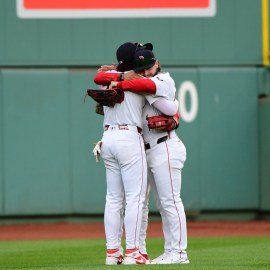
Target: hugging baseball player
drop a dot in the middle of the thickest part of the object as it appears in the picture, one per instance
(165, 152)
(166, 155)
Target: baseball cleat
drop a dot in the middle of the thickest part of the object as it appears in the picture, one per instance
(133, 256)
(114, 257)
(161, 257)
(174, 259)
(145, 255)
(121, 250)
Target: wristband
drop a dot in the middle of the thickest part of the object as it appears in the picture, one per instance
(121, 77)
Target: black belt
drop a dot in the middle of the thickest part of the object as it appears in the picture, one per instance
(160, 140)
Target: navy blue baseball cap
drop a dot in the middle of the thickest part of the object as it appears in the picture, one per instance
(147, 46)
(143, 59)
(125, 54)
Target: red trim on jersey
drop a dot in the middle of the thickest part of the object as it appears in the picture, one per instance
(104, 78)
(138, 86)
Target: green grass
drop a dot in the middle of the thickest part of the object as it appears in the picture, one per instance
(211, 253)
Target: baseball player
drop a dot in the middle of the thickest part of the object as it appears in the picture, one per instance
(126, 174)
(114, 254)
(166, 155)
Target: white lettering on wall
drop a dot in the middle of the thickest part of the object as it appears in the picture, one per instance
(185, 88)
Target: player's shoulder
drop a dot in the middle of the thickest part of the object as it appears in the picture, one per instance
(163, 76)
(165, 79)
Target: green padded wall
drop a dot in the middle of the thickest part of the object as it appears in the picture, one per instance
(88, 176)
(190, 135)
(1, 150)
(229, 134)
(36, 138)
(221, 170)
(48, 133)
(264, 110)
(264, 82)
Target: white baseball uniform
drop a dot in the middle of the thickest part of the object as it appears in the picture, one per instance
(123, 154)
(164, 88)
(168, 107)
(166, 155)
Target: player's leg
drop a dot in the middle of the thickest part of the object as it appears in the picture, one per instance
(112, 217)
(114, 202)
(121, 228)
(165, 222)
(144, 224)
(134, 175)
(168, 159)
(177, 158)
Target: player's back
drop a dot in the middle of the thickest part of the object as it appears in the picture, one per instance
(129, 112)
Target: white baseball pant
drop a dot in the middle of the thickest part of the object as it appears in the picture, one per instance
(126, 174)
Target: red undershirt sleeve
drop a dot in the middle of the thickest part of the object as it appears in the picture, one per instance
(104, 78)
(138, 86)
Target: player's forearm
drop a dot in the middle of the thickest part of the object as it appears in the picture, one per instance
(138, 86)
(166, 107)
(104, 78)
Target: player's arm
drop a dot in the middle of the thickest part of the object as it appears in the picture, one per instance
(163, 122)
(156, 85)
(165, 106)
(105, 78)
(142, 85)
(169, 108)
(107, 68)
(169, 120)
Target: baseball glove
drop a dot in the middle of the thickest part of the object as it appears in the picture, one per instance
(107, 97)
(163, 122)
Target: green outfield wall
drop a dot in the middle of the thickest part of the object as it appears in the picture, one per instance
(264, 110)
(48, 135)
(221, 69)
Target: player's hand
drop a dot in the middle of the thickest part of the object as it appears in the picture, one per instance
(131, 75)
(97, 150)
(113, 84)
(107, 67)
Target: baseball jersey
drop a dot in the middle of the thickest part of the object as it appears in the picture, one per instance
(165, 88)
(129, 112)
